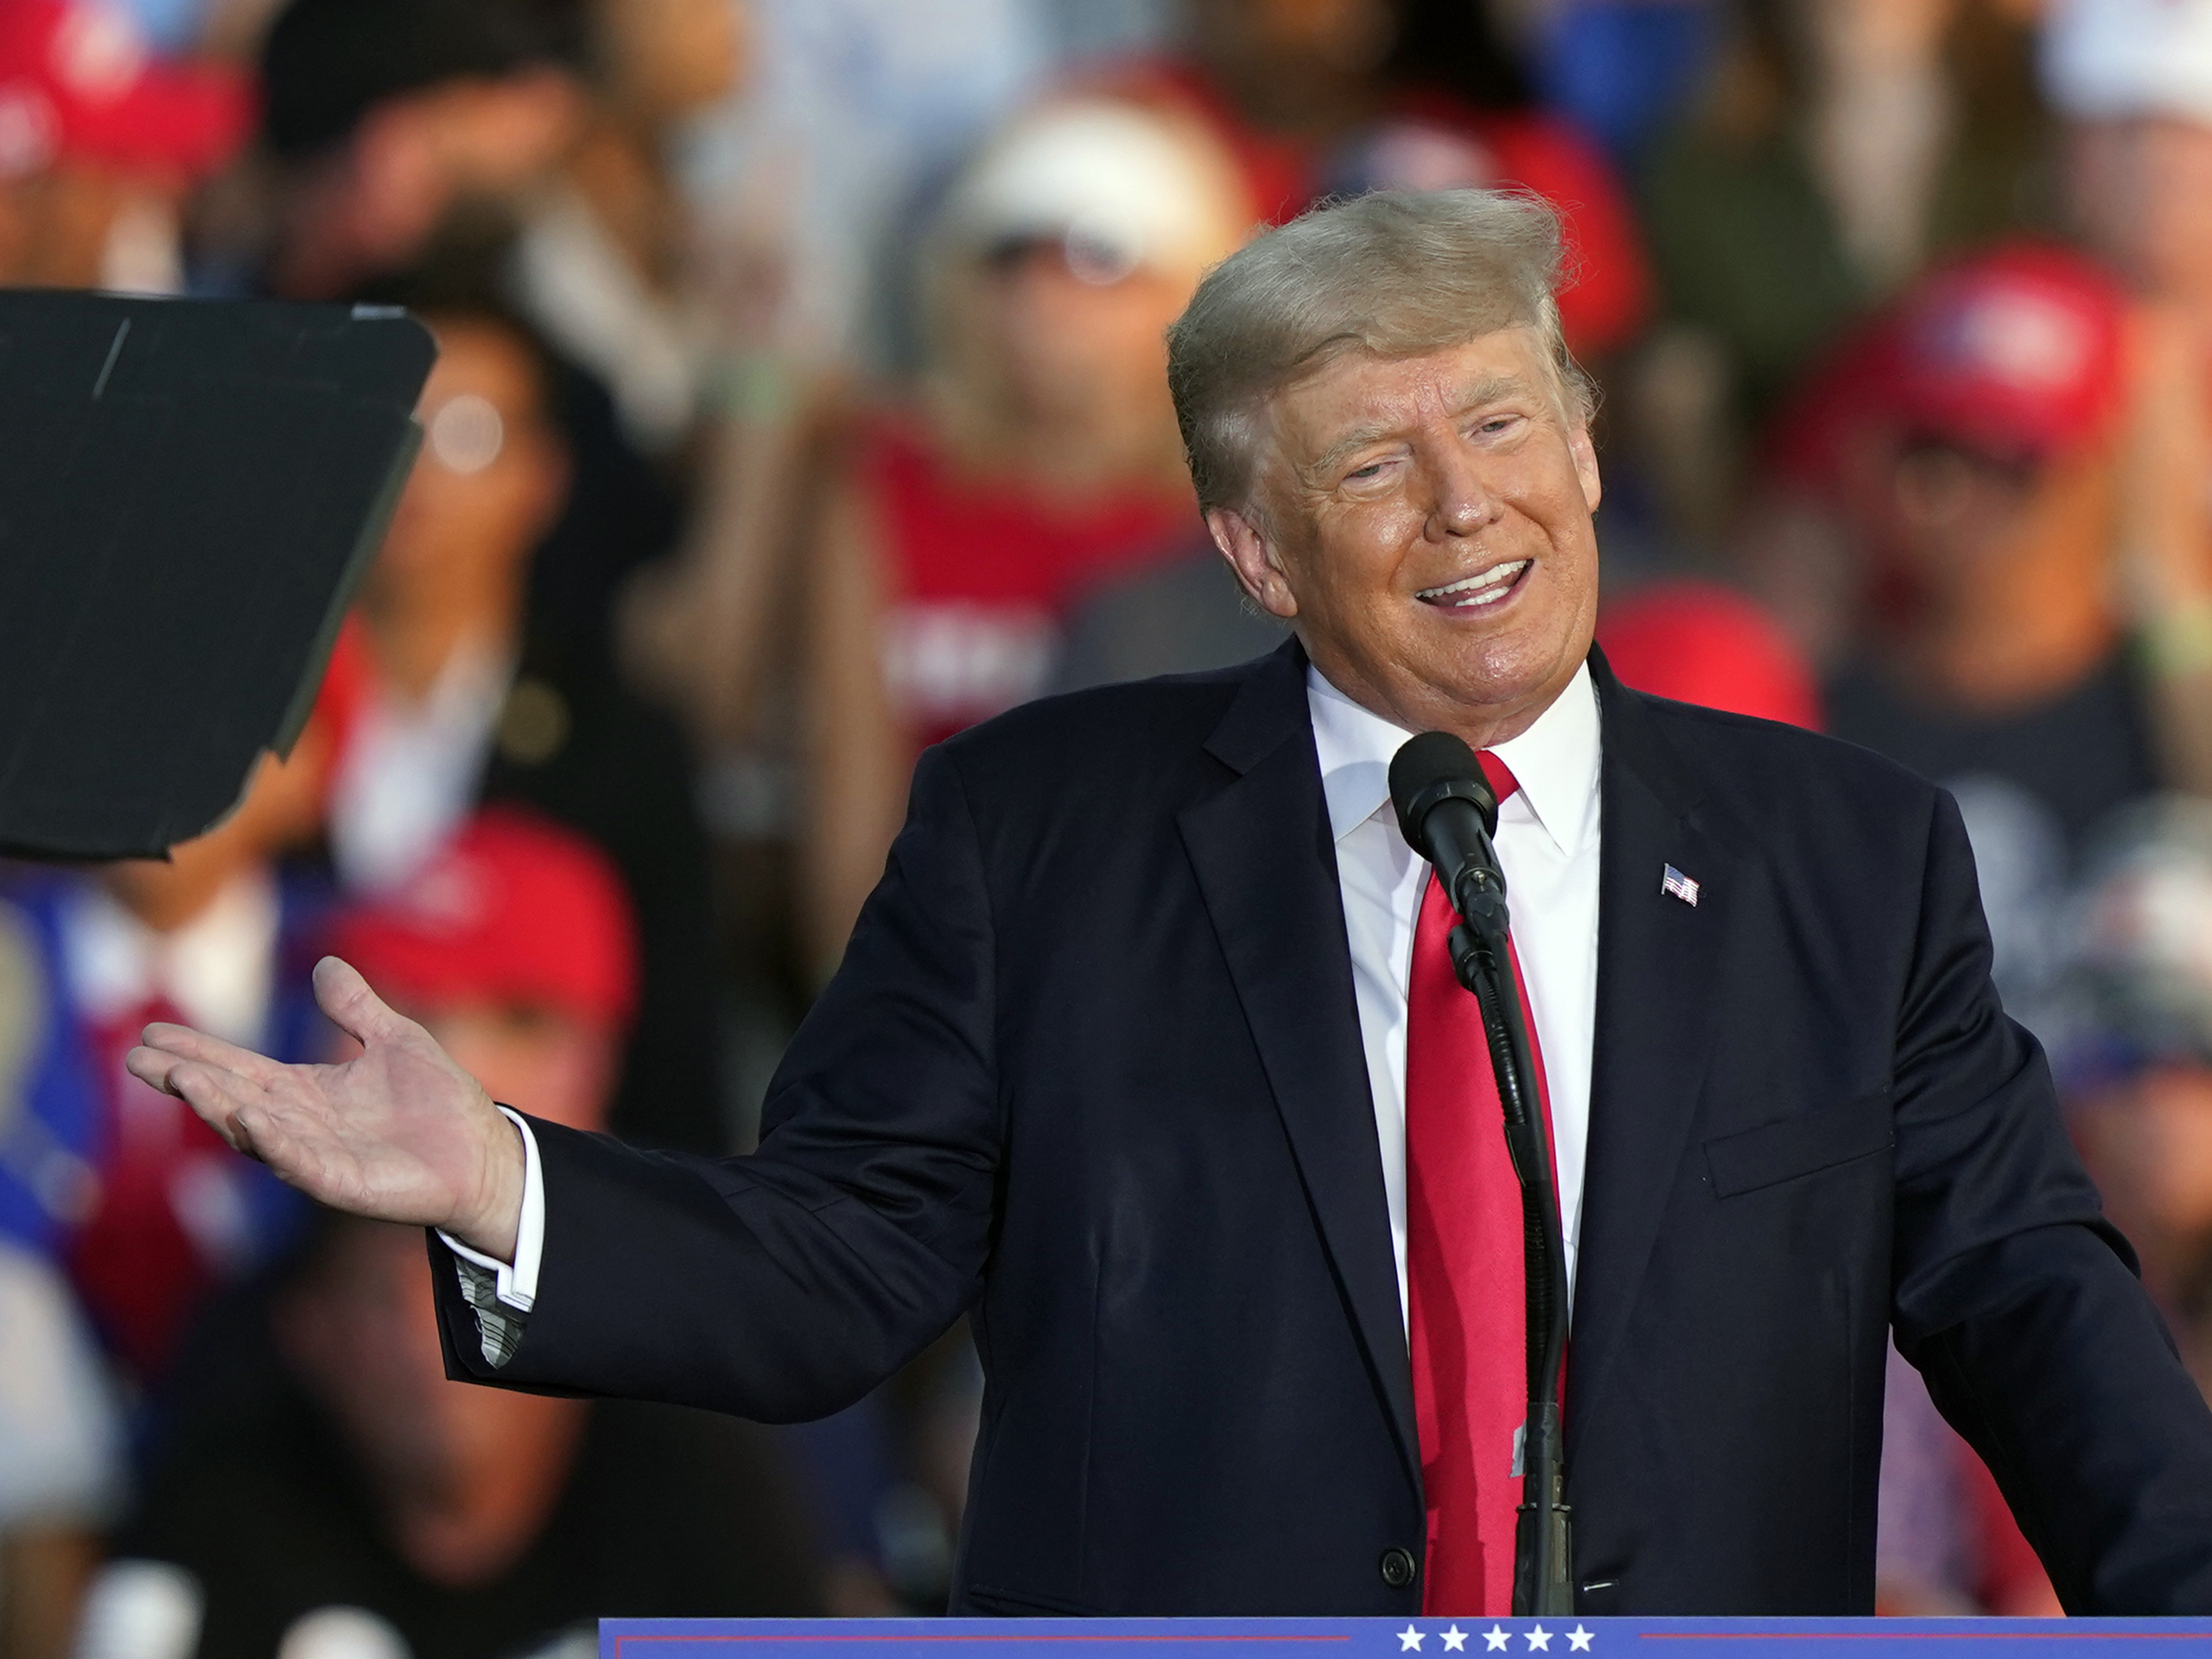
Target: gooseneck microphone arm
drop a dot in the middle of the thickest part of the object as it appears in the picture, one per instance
(1448, 814)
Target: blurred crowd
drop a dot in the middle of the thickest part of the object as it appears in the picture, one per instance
(800, 401)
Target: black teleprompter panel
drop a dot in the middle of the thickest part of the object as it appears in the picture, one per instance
(189, 491)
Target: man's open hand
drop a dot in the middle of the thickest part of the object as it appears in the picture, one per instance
(398, 1134)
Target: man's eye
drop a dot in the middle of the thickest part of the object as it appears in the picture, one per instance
(1372, 470)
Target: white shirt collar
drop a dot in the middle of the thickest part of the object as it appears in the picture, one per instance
(1555, 761)
(215, 970)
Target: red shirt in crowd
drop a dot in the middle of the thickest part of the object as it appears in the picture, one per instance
(984, 573)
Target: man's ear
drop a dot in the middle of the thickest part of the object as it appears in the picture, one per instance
(1585, 454)
(1245, 547)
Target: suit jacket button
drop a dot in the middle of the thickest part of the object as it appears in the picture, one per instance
(1398, 1567)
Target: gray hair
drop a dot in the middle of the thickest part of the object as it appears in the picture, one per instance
(1396, 273)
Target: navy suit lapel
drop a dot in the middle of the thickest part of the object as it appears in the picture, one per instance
(1658, 960)
(1267, 867)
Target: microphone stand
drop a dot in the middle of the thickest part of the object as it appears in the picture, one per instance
(1543, 1572)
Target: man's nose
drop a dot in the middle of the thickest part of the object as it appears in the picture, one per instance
(1460, 502)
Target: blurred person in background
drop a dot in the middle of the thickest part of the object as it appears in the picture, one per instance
(680, 431)
(2137, 1065)
(1041, 456)
(1973, 433)
(149, 1212)
(337, 1475)
(606, 262)
(397, 133)
(100, 140)
(461, 708)
(1983, 488)
(2134, 78)
(1835, 149)
(383, 119)
(1318, 98)
(1977, 447)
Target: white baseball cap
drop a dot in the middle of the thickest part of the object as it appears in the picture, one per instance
(1128, 186)
(2108, 59)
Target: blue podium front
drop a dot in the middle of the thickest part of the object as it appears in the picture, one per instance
(1377, 1638)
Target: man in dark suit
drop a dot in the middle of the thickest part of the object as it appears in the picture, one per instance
(1144, 1054)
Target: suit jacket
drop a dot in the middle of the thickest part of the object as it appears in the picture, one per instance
(1091, 1072)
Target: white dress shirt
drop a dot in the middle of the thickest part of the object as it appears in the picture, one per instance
(1547, 843)
(1547, 847)
(493, 1284)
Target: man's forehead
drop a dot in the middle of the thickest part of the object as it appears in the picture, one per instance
(1359, 396)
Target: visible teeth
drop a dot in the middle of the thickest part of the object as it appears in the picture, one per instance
(1484, 589)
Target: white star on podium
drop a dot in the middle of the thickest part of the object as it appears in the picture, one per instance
(1496, 1638)
(1540, 1637)
(1578, 1639)
(1409, 1639)
(1454, 1640)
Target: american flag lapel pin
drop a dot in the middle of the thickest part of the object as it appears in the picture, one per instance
(1679, 886)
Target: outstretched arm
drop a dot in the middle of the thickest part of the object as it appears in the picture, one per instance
(398, 1134)
(782, 1284)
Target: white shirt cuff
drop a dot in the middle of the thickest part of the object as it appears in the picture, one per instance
(516, 1281)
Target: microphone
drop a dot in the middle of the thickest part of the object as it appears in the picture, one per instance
(1447, 813)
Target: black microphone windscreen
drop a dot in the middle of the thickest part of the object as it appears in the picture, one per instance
(1429, 767)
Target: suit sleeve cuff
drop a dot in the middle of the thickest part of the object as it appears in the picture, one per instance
(516, 1283)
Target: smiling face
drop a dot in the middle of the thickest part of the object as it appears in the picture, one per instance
(1424, 523)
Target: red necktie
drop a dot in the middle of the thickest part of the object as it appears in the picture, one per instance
(1466, 1282)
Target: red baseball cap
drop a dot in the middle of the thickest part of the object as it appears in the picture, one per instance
(2018, 352)
(515, 910)
(1699, 642)
(78, 79)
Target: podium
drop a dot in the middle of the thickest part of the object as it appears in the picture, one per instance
(1397, 1638)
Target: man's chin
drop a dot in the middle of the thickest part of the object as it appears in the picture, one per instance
(1512, 680)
